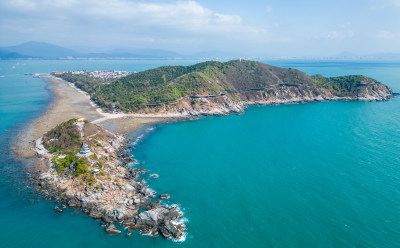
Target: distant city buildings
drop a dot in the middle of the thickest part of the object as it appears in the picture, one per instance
(59, 72)
(106, 74)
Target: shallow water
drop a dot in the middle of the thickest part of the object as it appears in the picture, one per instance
(309, 175)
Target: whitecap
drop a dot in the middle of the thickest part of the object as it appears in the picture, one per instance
(151, 191)
(140, 137)
(181, 222)
(181, 239)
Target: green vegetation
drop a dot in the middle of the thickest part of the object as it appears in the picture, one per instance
(347, 83)
(73, 164)
(168, 84)
(65, 142)
(80, 165)
(64, 138)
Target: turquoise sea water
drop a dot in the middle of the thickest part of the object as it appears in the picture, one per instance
(308, 175)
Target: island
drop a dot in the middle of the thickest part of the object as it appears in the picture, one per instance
(83, 161)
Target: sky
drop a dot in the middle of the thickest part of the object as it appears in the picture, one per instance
(251, 27)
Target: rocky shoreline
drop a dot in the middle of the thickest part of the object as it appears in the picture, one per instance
(236, 103)
(117, 194)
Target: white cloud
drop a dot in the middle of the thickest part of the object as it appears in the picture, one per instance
(385, 4)
(386, 35)
(123, 20)
(333, 35)
(330, 35)
(395, 2)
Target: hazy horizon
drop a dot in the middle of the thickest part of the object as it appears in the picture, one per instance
(254, 28)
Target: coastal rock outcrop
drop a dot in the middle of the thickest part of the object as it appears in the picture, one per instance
(157, 218)
(98, 179)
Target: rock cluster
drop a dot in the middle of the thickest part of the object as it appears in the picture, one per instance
(111, 229)
(118, 194)
(156, 220)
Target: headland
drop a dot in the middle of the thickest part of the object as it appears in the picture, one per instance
(114, 192)
(104, 182)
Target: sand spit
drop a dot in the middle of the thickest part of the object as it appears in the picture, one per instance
(70, 102)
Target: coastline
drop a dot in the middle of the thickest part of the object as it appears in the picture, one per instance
(53, 227)
(70, 102)
(121, 183)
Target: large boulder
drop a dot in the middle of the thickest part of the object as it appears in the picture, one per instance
(74, 203)
(129, 222)
(164, 196)
(153, 205)
(167, 229)
(173, 215)
(151, 217)
(95, 214)
(157, 218)
(144, 201)
(111, 229)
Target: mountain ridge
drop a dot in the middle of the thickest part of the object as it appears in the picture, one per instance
(43, 50)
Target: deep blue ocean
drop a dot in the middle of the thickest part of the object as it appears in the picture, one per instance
(304, 175)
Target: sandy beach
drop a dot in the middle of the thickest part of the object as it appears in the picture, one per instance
(70, 102)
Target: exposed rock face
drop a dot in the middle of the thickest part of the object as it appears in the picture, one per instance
(280, 94)
(114, 192)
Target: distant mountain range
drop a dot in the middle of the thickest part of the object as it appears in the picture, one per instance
(35, 49)
(42, 50)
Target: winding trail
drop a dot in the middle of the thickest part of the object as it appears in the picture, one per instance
(222, 93)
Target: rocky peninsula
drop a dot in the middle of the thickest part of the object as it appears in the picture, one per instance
(83, 163)
(89, 168)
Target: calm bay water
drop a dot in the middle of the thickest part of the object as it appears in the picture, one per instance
(309, 175)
